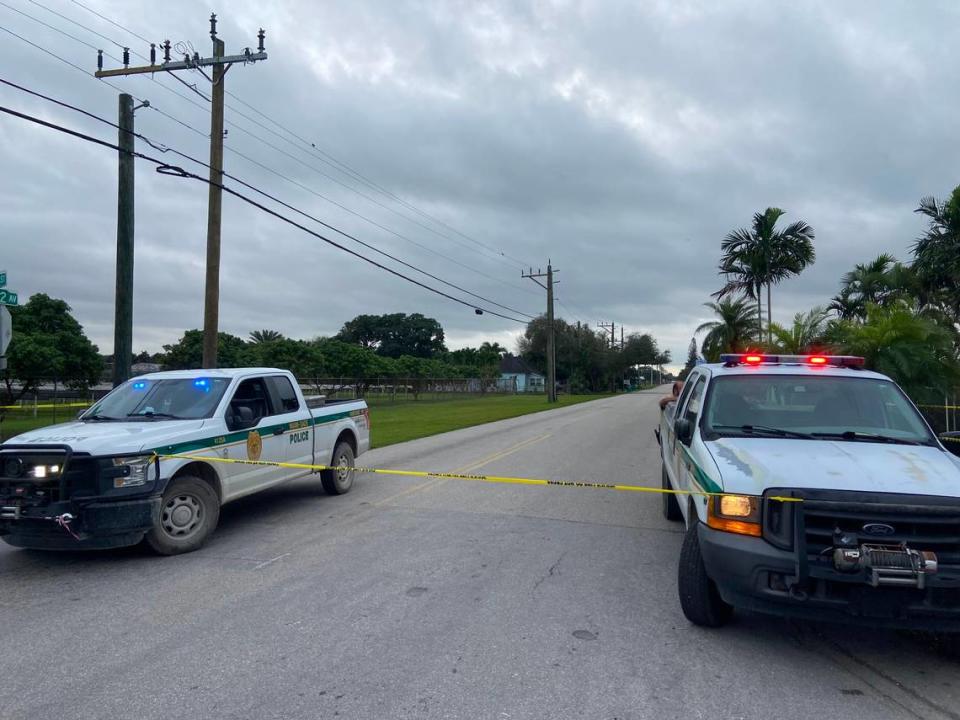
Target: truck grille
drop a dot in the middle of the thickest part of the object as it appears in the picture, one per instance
(923, 523)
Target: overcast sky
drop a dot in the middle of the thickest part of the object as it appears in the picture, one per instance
(622, 140)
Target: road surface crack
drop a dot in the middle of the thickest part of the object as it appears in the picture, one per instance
(551, 571)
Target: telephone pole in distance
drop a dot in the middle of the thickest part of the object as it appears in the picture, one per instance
(551, 328)
(221, 64)
(611, 327)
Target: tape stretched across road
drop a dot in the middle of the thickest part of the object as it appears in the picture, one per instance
(499, 479)
(45, 406)
(939, 407)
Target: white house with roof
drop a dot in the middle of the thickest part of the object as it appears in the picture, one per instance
(525, 378)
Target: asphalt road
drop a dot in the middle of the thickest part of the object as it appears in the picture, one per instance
(413, 598)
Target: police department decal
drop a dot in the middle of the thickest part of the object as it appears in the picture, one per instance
(254, 445)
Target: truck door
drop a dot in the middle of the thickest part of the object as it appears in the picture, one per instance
(264, 439)
(670, 415)
(296, 432)
(690, 411)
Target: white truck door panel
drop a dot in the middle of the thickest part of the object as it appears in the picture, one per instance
(263, 441)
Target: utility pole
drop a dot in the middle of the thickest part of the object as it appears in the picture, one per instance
(123, 302)
(611, 327)
(551, 329)
(220, 63)
(211, 299)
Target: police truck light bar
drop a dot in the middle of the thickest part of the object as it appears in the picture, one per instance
(849, 361)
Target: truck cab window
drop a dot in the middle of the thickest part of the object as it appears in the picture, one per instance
(252, 394)
(692, 408)
(284, 397)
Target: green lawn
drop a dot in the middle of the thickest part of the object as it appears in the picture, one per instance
(411, 420)
(393, 422)
(19, 421)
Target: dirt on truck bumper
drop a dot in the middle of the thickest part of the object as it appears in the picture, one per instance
(800, 579)
(51, 498)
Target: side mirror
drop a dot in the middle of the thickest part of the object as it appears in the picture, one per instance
(239, 418)
(684, 431)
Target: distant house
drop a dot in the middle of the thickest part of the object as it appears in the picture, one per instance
(526, 379)
(143, 368)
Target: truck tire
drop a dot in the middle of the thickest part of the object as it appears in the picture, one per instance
(671, 506)
(338, 482)
(189, 512)
(699, 598)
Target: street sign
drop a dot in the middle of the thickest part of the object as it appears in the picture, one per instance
(6, 329)
(3, 278)
(8, 298)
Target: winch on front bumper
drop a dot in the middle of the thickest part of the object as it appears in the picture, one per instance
(878, 558)
(51, 497)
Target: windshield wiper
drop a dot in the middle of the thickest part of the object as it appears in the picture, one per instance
(765, 430)
(868, 437)
(151, 415)
(99, 418)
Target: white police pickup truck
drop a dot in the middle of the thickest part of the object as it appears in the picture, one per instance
(839, 502)
(131, 467)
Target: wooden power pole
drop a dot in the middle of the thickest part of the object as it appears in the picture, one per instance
(551, 327)
(220, 63)
(211, 299)
(123, 302)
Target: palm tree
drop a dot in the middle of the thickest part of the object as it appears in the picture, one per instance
(912, 349)
(937, 253)
(869, 282)
(258, 337)
(804, 335)
(764, 256)
(845, 305)
(734, 331)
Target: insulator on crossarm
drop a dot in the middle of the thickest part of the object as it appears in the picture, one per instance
(99, 59)
(213, 26)
(126, 57)
(153, 54)
(166, 51)
(260, 36)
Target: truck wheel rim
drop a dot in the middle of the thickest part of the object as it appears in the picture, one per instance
(182, 515)
(344, 476)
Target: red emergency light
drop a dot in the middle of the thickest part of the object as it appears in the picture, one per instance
(847, 361)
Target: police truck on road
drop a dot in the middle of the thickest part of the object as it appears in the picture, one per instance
(819, 491)
(151, 460)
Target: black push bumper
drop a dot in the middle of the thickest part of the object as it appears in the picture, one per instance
(752, 574)
(95, 525)
(86, 502)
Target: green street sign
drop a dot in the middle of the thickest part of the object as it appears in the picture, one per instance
(8, 298)
(3, 278)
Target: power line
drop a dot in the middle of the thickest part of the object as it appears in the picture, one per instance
(104, 17)
(164, 148)
(164, 168)
(343, 167)
(251, 134)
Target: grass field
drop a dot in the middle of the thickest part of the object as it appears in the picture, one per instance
(409, 421)
(392, 422)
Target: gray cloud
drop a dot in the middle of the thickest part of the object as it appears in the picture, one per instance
(622, 140)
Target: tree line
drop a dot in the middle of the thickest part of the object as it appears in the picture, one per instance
(902, 317)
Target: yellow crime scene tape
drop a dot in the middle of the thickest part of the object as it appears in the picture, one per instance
(939, 407)
(499, 479)
(950, 439)
(43, 406)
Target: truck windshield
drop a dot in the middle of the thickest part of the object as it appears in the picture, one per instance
(168, 399)
(812, 407)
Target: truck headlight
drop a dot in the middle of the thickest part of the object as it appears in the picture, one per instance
(738, 514)
(131, 471)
